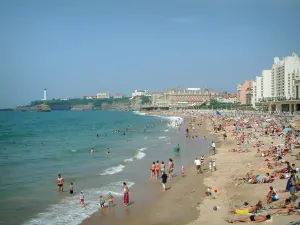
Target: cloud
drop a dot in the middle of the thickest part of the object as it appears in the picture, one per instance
(181, 20)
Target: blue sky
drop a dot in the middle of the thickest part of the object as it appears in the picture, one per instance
(76, 48)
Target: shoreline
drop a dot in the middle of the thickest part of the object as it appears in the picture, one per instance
(151, 203)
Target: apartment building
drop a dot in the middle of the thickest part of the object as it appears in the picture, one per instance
(283, 74)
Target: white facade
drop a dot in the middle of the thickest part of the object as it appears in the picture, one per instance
(283, 74)
(257, 90)
(102, 95)
(266, 81)
(45, 95)
(140, 93)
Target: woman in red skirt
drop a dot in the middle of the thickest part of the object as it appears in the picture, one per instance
(126, 194)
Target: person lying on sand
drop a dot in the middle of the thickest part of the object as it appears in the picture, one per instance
(287, 209)
(251, 209)
(252, 218)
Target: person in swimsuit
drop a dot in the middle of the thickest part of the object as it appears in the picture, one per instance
(126, 194)
(110, 199)
(152, 170)
(81, 198)
(252, 218)
(71, 188)
(60, 183)
(108, 151)
(171, 168)
(162, 166)
(157, 168)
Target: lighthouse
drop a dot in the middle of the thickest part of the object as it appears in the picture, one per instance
(45, 94)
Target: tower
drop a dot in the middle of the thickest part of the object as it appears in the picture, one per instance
(45, 94)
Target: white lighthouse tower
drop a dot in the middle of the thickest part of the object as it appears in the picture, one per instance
(45, 94)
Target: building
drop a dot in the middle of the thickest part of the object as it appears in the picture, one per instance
(283, 74)
(140, 93)
(102, 96)
(257, 90)
(187, 96)
(227, 98)
(266, 81)
(159, 99)
(243, 92)
(89, 97)
(118, 96)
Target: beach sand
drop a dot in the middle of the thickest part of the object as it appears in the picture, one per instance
(186, 203)
(178, 205)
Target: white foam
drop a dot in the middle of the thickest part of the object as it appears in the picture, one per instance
(166, 130)
(113, 170)
(139, 113)
(145, 138)
(73, 150)
(163, 137)
(142, 149)
(68, 211)
(128, 160)
(140, 155)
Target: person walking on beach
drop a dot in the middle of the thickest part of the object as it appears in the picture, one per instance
(60, 183)
(198, 165)
(157, 168)
(152, 170)
(164, 178)
(213, 145)
(126, 194)
(171, 168)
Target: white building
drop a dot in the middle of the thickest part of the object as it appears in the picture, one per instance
(140, 93)
(103, 95)
(266, 80)
(283, 74)
(118, 96)
(257, 90)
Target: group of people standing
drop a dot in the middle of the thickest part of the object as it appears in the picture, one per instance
(158, 170)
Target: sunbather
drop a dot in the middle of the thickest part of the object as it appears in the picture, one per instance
(252, 218)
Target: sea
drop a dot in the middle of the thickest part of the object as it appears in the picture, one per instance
(35, 147)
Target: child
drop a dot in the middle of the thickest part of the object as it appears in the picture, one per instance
(182, 171)
(110, 199)
(214, 165)
(210, 167)
(71, 188)
(81, 198)
(102, 201)
(164, 178)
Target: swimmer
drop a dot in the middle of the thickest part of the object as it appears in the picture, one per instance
(42, 144)
(108, 151)
(71, 188)
(92, 150)
(60, 183)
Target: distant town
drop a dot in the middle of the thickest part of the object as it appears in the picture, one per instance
(275, 89)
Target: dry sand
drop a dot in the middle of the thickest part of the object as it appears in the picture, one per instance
(186, 203)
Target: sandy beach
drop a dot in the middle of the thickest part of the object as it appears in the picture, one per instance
(186, 202)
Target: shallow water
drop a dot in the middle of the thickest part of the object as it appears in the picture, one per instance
(28, 171)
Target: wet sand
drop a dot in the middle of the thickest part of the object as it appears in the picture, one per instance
(178, 205)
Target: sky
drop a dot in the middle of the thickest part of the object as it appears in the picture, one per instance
(75, 47)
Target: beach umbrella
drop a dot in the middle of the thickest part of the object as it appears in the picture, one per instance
(218, 113)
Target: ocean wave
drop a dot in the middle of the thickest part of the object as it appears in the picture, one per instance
(113, 170)
(128, 160)
(139, 113)
(140, 155)
(142, 149)
(69, 211)
(162, 137)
